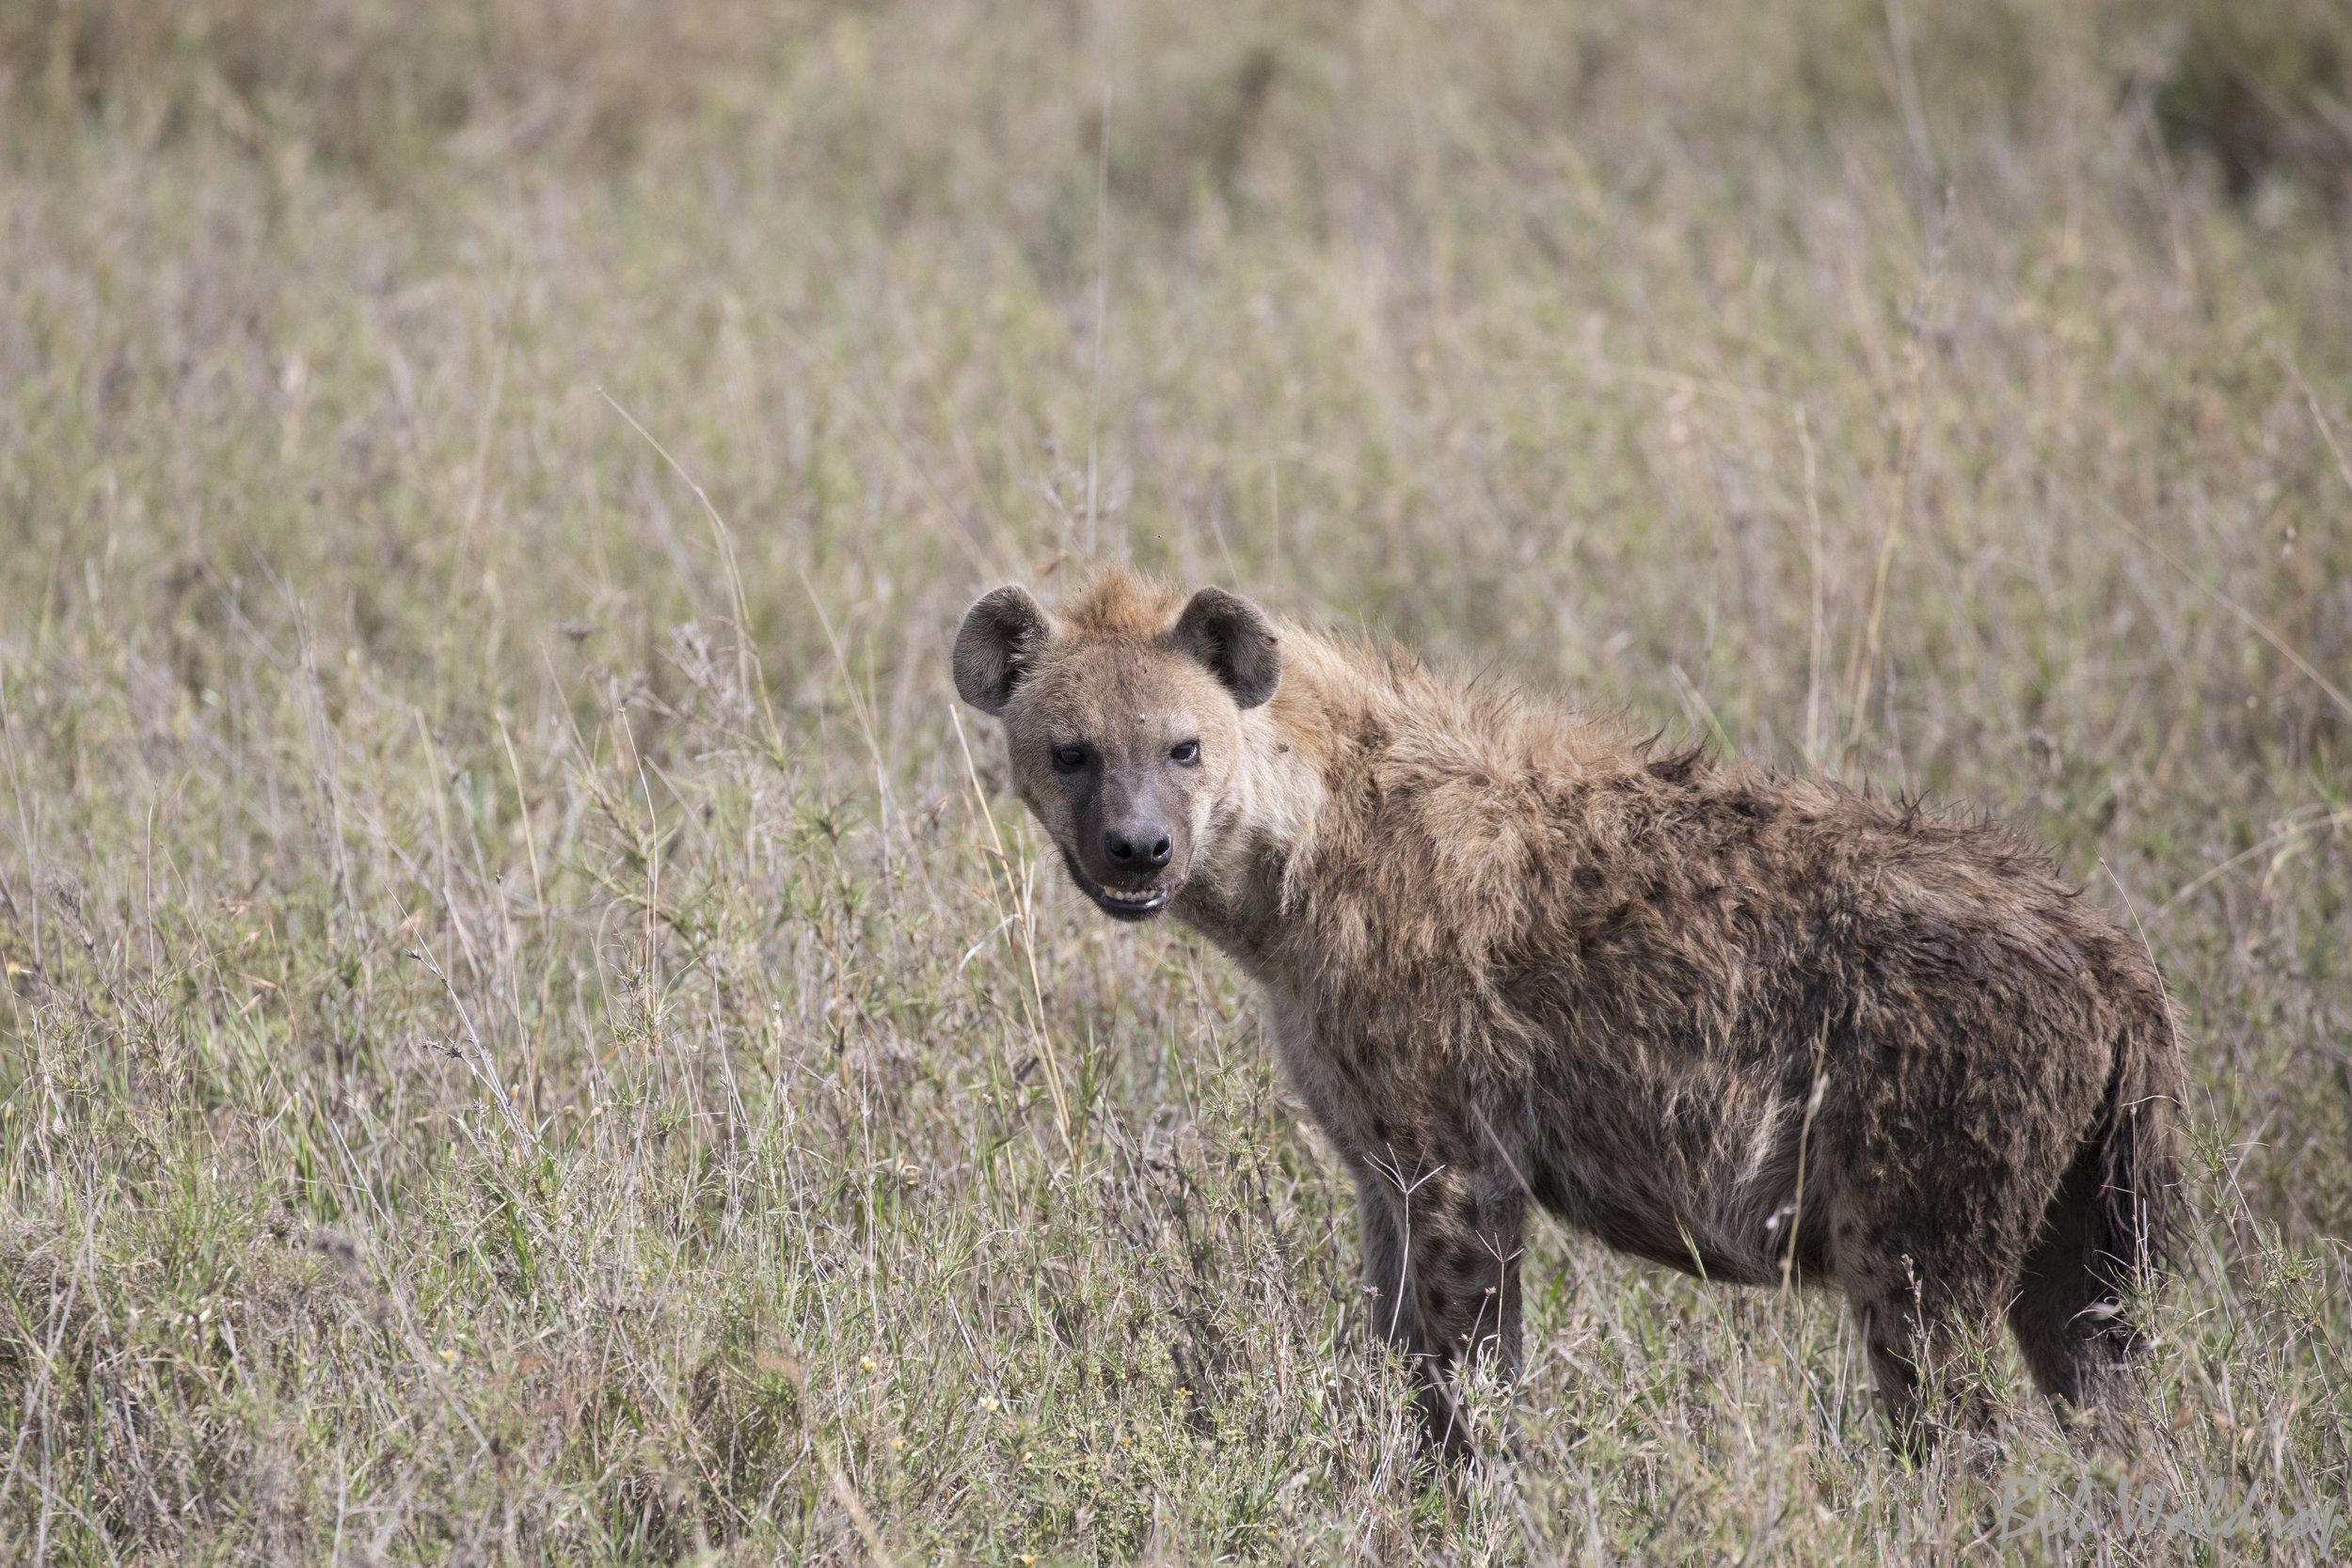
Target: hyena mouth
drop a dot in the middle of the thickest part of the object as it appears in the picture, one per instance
(1131, 906)
(1136, 905)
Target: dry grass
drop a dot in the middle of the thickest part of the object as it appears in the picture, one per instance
(523, 1043)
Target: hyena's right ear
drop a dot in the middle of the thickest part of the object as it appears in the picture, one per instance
(1001, 634)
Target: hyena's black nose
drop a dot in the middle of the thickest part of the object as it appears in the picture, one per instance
(1133, 848)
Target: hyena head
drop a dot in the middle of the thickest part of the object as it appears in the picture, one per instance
(1123, 720)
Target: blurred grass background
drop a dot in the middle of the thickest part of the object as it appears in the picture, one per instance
(528, 1039)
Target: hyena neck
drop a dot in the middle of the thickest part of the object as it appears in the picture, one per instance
(1263, 833)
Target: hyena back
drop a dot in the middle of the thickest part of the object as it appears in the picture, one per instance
(1755, 1028)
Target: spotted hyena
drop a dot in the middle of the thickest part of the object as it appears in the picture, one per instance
(1749, 1026)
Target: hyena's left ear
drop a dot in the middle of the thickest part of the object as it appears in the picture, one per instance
(1237, 642)
(1001, 634)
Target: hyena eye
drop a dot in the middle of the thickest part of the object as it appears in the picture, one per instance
(1069, 759)
(1185, 751)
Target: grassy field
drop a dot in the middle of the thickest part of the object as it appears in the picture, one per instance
(536, 1032)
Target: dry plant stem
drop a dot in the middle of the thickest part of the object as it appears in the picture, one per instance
(1813, 715)
(748, 670)
(1015, 915)
(845, 1495)
(522, 811)
(1863, 665)
(2282, 836)
(478, 471)
(2322, 424)
(36, 1396)
(1102, 305)
(1804, 1136)
(477, 1059)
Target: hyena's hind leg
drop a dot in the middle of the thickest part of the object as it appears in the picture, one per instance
(2071, 1313)
(1927, 1295)
(1906, 1342)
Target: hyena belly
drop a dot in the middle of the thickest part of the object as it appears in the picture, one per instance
(1700, 1178)
(1692, 1164)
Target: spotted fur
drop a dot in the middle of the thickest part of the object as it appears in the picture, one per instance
(1754, 1027)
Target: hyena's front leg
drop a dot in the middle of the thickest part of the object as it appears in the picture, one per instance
(1441, 1261)
(1388, 1269)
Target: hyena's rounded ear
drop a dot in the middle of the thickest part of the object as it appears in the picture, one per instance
(1237, 642)
(1001, 634)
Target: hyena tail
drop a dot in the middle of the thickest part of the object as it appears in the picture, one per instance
(2106, 1234)
(2137, 1142)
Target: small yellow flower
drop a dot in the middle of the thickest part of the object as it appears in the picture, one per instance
(988, 1403)
(1028, 1557)
(897, 1441)
(868, 1363)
